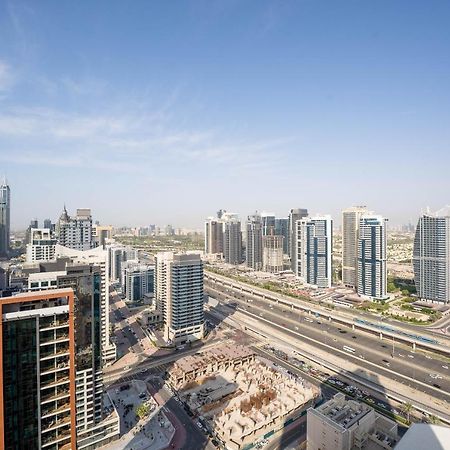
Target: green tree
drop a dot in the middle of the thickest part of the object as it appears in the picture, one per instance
(434, 420)
(142, 410)
(407, 408)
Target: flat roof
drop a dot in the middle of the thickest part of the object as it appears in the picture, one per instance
(425, 436)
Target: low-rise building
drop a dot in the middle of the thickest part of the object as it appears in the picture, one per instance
(342, 424)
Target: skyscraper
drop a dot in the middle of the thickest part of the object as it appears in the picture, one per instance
(431, 256)
(48, 224)
(282, 229)
(179, 295)
(268, 222)
(232, 239)
(213, 236)
(272, 253)
(314, 251)
(294, 215)
(372, 269)
(350, 236)
(254, 242)
(85, 281)
(5, 218)
(37, 371)
(76, 232)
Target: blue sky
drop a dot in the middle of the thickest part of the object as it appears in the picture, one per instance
(165, 111)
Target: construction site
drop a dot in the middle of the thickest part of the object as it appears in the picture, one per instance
(239, 397)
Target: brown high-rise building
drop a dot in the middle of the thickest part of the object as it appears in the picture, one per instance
(37, 371)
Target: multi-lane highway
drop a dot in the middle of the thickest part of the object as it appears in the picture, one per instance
(425, 372)
(368, 323)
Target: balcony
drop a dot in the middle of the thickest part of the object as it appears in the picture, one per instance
(54, 424)
(55, 368)
(52, 397)
(58, 382)
(55, 439)
(48, 412)
(61, 338)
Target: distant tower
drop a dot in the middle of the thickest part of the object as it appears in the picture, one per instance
(314, 252)
(232, 239)
(272, 252)
(294, 215)
(5, 218)
(268, 223)
(254, 235)
(431, 256)
(350, 236)
(372, 269)
(213, 236)
(76, 232)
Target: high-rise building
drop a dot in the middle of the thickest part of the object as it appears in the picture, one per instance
(268, 222)
(350, 236)
(48, 224)
(282, 229)
(96, 257)
(372, 268)
(37, 371)
(294, 215)
(179, 295)
(232, 239)
(213, 236)
(5, 218)
(42, 245)
(272, 253)
(254, 235)
(314, 251)
(138, 280)
(76, 232)
(92, 426)
(431, 256)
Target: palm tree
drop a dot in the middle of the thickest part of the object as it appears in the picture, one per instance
(434, 420)
(407, 408)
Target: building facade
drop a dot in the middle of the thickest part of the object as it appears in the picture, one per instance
(37, 366)
(42, 245)
(232, 239)
(350, 236)
(372, 262)
(282, 229)
(138, 281)
(179, 295)
(294, 215)
(5, 219)
(273, 253)
(341, 424)
(431, 256)
(254, 233)
(214, 236)
(268, 223)
(76, 232)
(314, 251)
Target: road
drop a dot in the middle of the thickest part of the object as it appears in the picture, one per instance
(195, 439)
(368, 349)
(339, 313)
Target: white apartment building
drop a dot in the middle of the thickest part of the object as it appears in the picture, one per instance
(315, 251)
(42, 245)
(341, 424)
(179, 295)
(76, 232)
(431, 256)
(96, 257)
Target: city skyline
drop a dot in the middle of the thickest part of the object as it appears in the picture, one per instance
(161, 98)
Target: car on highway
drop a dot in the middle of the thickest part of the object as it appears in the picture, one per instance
(445, 367)
(411, 356)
